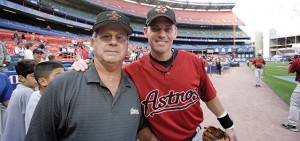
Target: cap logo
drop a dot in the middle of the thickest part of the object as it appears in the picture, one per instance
(114, 16)
(161, 9)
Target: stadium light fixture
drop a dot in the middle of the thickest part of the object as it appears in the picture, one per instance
(9, 11)
(40, 19)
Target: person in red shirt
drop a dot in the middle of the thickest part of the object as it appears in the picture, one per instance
(259, 63)
(293, 118)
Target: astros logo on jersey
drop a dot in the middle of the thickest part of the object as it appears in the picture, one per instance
(173, 101)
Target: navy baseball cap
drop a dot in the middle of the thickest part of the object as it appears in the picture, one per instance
(160, 11)
(109, 17)
(38, 50)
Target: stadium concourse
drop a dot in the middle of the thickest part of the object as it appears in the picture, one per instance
(257, 112)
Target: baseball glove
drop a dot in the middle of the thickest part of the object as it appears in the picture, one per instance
(214, 134)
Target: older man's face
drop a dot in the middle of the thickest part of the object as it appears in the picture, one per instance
(110, 44)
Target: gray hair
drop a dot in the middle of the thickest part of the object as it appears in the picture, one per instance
(94, 35)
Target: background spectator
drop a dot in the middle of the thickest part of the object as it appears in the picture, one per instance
(4, 57)
(15, 114)
(43, 73)
(71, 50)
(75, 42)
(83, 52)
(48, 27)
(19, 49)
(32, 37)
(38, 55)
(28, 51)
(16, 36)
(52, 59)
(41, 38)
(23, 38)
(63, 51)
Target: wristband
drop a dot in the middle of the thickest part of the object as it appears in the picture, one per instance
(226, 121)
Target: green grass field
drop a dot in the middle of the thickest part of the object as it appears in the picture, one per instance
(281, 87)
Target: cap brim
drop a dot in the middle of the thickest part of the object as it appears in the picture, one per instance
(127, 28)
(160, 15)
(39, 51)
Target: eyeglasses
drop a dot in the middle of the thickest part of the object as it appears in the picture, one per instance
(106, 37)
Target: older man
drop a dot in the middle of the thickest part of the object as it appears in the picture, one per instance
(101, 103)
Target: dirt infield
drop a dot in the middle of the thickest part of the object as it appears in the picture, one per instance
(257, 112)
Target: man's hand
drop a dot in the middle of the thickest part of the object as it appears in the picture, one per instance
(80, 65)
(231, 134)
(6, 63)
(146, 135)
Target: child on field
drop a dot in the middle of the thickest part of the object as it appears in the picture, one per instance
(44, 72)
(14, 127)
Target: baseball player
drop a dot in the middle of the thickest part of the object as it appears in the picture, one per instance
(171, 83)
(293, 118)
(259, 64)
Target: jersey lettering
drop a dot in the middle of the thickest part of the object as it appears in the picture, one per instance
(153, 104)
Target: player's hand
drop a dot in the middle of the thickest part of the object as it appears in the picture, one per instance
(80, 65)
(231, 134)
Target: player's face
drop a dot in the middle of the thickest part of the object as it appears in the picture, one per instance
(110, 44)
(160, 33)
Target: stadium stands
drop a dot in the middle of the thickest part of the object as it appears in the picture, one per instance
(67, 10)
(198, 30)
(29, 28)
(184, 16)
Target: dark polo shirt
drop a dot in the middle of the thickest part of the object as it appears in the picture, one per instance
(77, 106)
